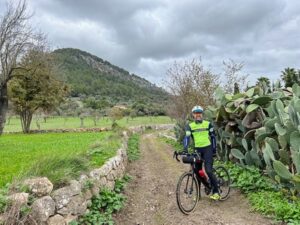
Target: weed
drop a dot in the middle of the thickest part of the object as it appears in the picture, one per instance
(3, 198)
(276, 204)
(133, 147)
(104, 205)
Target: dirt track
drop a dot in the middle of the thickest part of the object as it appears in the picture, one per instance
(152, 200)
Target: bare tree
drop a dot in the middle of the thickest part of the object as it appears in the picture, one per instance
(233, 76)
(15, 36)
(190, 84)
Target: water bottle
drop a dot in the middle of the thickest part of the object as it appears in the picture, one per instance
(202, 174)
(204, 178)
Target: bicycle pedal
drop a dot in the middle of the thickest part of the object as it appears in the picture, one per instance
(207, 190)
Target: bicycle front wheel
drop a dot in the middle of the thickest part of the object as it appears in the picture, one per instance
(223, 180)
(187, 193)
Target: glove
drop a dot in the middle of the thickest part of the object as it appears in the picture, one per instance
(214, 150)
(175, 154)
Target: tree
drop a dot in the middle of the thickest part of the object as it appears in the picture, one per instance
(290, 76)
(264, 83)
(115, 114)
(190, 84)
(35, 86)
(232, 76)
(277, 85)
(262, 79)
(15, 37)
(236, 88)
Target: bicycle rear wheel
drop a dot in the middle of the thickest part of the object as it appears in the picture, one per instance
(223, 180)
(187, 192)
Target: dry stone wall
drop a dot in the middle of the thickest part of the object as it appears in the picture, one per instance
(61, 206)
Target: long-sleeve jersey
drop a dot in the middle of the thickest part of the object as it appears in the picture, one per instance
(189, 134)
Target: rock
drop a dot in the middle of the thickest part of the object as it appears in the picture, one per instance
(111, 176)
(63, 195)
(19, 199)
(2, 219)
(113, 163)
(117, 173)
(95, 190)
(40, 186)
(125, 134)
(43, 208)
(87, 195)
(56, 220)
(83, 179)
(76, 206)
(118, 160)
(110, 185)
(102, 182)
(75, 187)
(122, 168)
(96, 174)
(89, 203)
(69, 218)
(107, 168)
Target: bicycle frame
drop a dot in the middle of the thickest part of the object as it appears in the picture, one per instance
(203, 180)
(195, 173)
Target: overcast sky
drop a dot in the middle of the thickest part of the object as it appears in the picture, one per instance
(146, 37)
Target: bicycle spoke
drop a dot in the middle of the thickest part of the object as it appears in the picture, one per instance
(187, 193)
(223, 180)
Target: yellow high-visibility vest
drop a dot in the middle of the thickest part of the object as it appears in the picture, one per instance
(200, 132)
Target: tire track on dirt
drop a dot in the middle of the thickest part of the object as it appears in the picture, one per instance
(152, 199)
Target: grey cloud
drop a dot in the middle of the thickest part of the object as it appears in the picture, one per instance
(112, 12)
(145, 37)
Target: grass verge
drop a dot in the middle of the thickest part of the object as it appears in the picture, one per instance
(133, 147)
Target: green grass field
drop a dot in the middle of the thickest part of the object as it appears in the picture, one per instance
(74, 122)
(59, 156)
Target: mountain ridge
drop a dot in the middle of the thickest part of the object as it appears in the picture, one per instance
(90, 75)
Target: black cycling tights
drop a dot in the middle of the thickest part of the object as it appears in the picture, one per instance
(207, 154)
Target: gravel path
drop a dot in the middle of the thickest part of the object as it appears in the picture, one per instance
(152, 200)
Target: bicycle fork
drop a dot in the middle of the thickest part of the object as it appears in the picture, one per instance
(188, 190)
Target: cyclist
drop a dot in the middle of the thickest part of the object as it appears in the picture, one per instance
(204, 139)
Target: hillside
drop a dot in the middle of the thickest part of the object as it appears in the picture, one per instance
(89, 75)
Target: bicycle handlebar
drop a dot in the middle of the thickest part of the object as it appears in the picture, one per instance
(176, 154)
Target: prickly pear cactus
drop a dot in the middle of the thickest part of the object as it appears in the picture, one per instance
(261, 129)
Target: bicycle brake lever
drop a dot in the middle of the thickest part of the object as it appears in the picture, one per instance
(175, 155)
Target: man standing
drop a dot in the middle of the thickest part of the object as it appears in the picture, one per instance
(204, 139)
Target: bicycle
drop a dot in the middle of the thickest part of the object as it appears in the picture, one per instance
(190, 192)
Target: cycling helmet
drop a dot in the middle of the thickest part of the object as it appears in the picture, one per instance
(197, 109)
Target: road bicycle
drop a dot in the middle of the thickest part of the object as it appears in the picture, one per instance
(192, 183)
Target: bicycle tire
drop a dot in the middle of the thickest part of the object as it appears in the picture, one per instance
(223, 179)
(191, 187)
